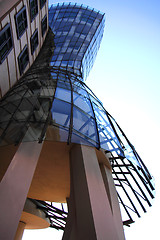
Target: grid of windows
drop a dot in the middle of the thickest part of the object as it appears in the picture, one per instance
(5, 42)
(75, 27)
(23, 59)
(77, 108)
(44, 25)
(34, 41)
(88, 19)
(21, 22)
(33, 8)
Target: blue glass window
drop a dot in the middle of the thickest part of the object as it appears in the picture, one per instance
(75, 45)
(79, 28)
(81, 139)
(63, 84)
(108, 139)
(63, 94)
(88, 19)
(83, 103)
(65, 28)
(66, 56)
(84, 124)
(61, 113)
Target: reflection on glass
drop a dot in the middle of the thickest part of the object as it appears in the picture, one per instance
(61, 112)
(84, 124)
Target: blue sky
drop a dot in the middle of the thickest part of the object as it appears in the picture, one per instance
(126, 78)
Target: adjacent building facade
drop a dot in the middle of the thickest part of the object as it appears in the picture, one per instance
(23, 28)
(57, 142)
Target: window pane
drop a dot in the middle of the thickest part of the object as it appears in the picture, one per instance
(55, 133)
(61, 113)
(23, 59)
(34, 41)
(80, 139)
(5, 42)
(83, 103)
(33, 8)
(84, 124)
(44, 25)
(21, 22)
(64, 84)
(63, 94)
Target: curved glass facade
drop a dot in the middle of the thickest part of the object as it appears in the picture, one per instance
(80, 116)
(78, 32)
(51, 102)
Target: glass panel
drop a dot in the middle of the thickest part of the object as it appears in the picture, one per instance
(83, 103)
(63, 94)
(127, 150)
(106, 141)
(61, 113)
(107, 136)
(84, 124)
(63, 84)
(81, 139)
(6, 114)
(13, 132)
(23, 59)
(77, 87)
(55, 133)
(4, 51)
(3, 38)
(94, 99)
(34, 41)
(44, 25)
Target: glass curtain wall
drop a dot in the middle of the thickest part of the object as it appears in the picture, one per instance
(51, 102)
(78, 32)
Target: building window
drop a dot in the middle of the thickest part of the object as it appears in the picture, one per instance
(21, 22)
(23, 59)
(88, 19)
(44, 25)
(42, 2)
(6, 43)
(33, 8)
(34, 41)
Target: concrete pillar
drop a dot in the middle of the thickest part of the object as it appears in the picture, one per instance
(20, 231)
(92, 217)
(113, 198)
(15, 185)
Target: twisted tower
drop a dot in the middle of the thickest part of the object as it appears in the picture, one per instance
(59, 144)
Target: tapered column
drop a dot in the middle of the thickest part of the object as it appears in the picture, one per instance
(113, 198)
(92, 218)
(20, 231)
(70, 232)
(14, 187)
